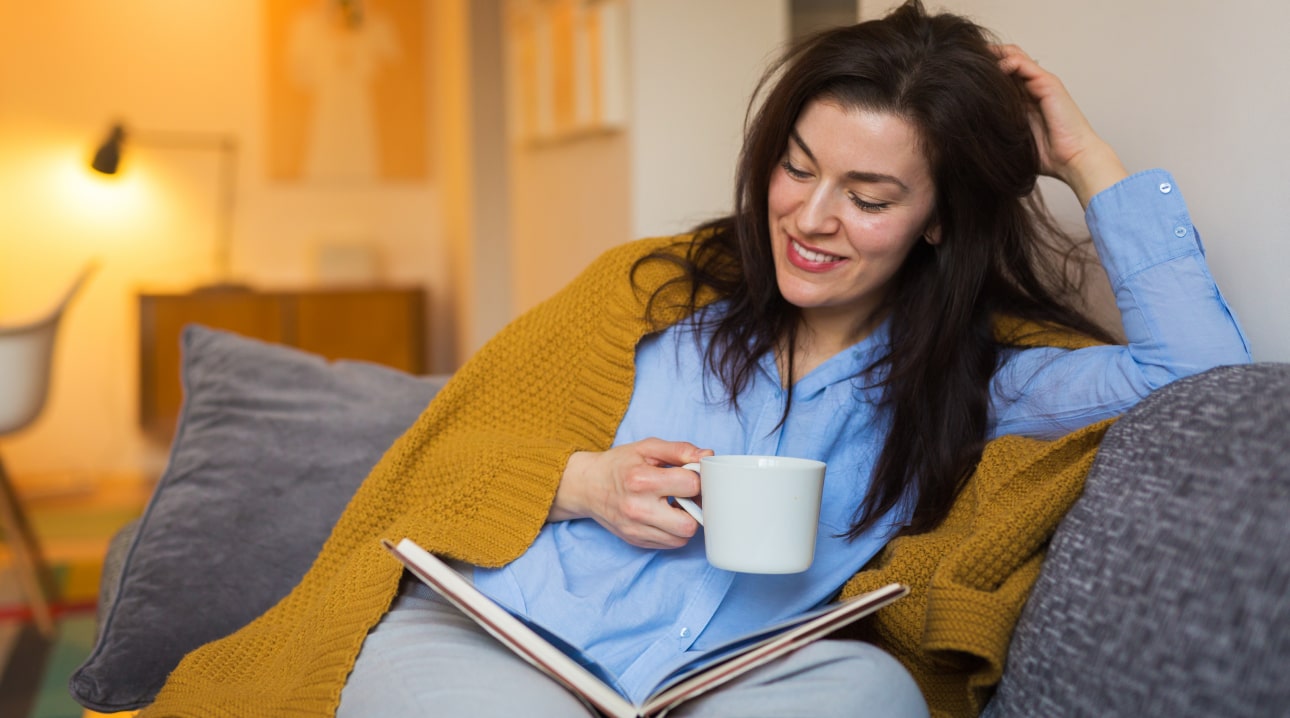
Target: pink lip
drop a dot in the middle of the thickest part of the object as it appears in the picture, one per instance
(797, 260)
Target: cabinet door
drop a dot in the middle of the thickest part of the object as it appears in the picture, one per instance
(385, 326)
(161, 319)
(382, 326)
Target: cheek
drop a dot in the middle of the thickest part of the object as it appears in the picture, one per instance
(882, 235)
(881, 231)
(781, 196)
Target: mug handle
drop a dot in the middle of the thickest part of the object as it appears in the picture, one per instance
(690, 507)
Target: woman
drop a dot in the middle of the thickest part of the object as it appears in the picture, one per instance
(881, 299)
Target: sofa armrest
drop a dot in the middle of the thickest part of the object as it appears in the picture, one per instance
(1164, 588)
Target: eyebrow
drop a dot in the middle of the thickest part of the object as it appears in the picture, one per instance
(854, 175)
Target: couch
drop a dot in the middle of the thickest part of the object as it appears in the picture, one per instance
(1164, 592)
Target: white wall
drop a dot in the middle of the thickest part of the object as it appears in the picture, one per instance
(694, 65)
(1199, 88)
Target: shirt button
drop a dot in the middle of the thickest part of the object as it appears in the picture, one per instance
(1166, 188)
(1180, 231)
(685, 632)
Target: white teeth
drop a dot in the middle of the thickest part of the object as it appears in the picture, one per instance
(812, 256)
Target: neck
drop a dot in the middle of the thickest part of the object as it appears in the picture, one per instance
(820, 335)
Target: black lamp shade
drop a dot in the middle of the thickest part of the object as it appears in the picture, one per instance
(108, 156)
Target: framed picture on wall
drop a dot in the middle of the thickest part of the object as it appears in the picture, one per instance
(347, 90)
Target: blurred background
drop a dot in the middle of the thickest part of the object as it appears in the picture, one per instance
(471, 157)
(395, 180)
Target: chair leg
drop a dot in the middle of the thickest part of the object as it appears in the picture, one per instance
(33, 572)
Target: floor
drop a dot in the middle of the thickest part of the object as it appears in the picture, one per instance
(73, 519)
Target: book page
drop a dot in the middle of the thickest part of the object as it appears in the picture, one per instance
(510, 631)
(763, 646)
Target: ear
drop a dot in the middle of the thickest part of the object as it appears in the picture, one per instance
(932, 235)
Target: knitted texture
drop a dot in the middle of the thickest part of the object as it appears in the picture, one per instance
(970, 577)
(474, 478)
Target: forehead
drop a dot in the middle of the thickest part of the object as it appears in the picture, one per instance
(848, 139)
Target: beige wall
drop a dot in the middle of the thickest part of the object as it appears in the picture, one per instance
(69, 67)
(688, 81)
(1193, 86)
(571, 201)
(694, 66)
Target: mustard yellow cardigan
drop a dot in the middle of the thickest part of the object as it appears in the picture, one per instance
(474, 477)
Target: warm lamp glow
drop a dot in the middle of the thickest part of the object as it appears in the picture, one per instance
(108, 157)
(100, 201)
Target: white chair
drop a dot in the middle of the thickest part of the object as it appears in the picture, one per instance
(26, 356)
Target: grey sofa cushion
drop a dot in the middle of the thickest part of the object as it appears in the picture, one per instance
(271, 444)
(1166, 591)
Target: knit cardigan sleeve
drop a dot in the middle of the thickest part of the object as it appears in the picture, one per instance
(472, 479)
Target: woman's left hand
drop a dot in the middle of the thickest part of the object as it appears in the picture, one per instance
(1069, 149)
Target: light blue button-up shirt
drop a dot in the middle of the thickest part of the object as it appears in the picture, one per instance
(643, 613)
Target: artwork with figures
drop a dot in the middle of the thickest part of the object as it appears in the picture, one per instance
(347, 95)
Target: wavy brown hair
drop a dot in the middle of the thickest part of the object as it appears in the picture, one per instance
(1000, 252)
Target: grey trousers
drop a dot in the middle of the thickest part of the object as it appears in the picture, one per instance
(426, 658)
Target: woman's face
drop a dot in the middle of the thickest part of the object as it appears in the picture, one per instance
(850, 197)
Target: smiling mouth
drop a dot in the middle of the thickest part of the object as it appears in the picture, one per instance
(811, 255)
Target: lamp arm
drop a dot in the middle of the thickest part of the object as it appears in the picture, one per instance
(226, 144)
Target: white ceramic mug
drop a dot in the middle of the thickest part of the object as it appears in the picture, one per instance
(760, 513)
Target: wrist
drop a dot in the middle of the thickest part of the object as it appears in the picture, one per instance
(1092, 171)
(568, 503)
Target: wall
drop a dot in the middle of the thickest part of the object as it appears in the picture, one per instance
(689, 79)
(496, 228)
(1193, 86)
(69, 67)
(692, 77)
(570, 202)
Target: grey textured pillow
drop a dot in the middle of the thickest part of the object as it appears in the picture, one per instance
(1165, 590)
(271, 444)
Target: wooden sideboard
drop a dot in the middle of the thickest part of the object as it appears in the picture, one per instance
(381, 325)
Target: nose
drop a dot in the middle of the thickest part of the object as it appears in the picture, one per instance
(817, 214)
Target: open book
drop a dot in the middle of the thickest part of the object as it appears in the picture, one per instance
(577, 672)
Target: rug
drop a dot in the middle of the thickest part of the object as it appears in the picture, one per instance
(33, 683)
(34, 669)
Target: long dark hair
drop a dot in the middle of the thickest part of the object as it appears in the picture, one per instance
(1000, 253)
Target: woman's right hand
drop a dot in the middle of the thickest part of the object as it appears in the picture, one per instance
(626, 490)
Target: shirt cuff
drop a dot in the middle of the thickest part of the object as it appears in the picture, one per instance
(1140, 222)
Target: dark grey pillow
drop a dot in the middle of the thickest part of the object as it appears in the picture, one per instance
(271, 444)
(1165, 589)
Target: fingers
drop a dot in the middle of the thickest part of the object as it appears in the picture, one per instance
(671, 453)
(650, 520)
(1040, 83)
(656, 523)
(1012, 57)
(1014, 60)
(626, 490)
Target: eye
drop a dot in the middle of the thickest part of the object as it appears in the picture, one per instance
(793, 171)
(868, 206)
